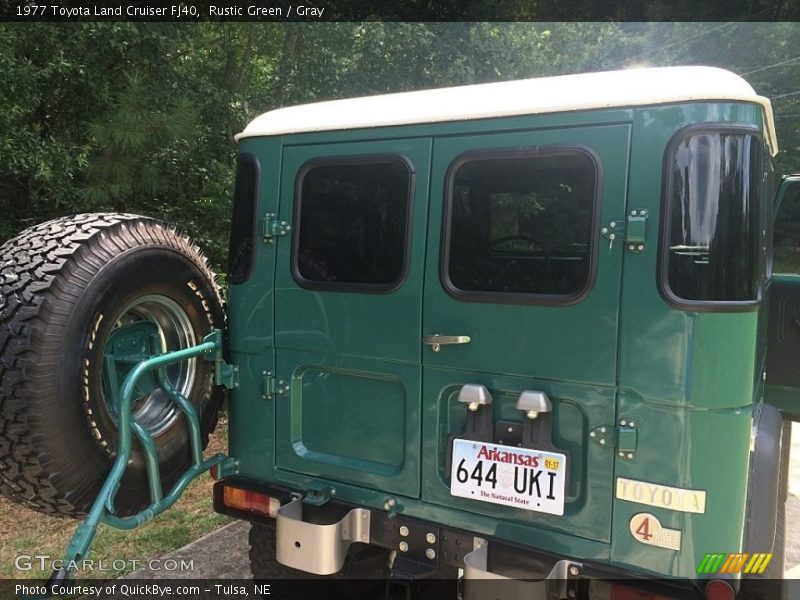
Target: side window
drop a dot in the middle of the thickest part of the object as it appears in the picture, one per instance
(786, 235)
(352, 224)
(243, 220)
(712, 218)
(519, 226)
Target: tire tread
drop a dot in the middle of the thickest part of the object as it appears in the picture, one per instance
(42, 273)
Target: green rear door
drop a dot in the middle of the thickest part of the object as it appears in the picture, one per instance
(518, 264)
(348, 312)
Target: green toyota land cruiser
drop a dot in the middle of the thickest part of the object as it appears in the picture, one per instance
(541, 332)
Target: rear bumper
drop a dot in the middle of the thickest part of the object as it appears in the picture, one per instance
(316, 538)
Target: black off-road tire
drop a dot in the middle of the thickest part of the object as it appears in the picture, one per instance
(363, 575)
(62, 286)
(772, 585)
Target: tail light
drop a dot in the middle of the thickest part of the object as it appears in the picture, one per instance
(624, 592)
(714, 590)
(719, 590)
(250, 501)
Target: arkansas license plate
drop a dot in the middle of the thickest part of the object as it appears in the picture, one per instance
(509, 475)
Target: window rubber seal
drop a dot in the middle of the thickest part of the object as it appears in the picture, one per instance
(359, 159)
(662, 263)
(533, 299)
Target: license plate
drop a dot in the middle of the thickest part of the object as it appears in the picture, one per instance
(509, 475)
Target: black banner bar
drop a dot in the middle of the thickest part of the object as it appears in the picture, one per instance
(382, 10)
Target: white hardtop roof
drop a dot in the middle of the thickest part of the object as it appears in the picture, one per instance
(627, 88)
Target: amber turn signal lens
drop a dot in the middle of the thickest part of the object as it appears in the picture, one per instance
(250, 501)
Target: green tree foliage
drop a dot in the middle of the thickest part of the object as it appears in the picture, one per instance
(141, 117)
(125, 117)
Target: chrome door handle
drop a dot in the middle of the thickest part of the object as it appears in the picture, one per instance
(436, 341)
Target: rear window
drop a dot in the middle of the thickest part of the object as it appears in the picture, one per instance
(520, 225)
(243, 220)
(353, 217)
(712, 226)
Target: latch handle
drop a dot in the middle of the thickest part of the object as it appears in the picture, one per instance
(436, 341)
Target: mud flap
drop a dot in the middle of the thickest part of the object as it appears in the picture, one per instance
(765, 466)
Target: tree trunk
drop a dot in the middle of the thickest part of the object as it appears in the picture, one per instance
(286, 65)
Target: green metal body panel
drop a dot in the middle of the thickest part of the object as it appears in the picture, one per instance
(251, 314)
(353, 358)
(369, 407)
(687, 379)
(569, 352)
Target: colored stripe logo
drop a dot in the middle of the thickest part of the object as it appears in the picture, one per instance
(742, 562)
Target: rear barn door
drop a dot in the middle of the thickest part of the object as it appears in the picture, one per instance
(529, 289)
(348, 312)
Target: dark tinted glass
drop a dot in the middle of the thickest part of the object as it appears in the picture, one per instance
(243, 221)
(352, 223)
(713, 217)
(522, 224)
(787, 234)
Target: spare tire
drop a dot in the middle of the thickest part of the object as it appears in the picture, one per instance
(68, 287)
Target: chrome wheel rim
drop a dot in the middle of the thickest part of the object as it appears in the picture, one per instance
(151, 407)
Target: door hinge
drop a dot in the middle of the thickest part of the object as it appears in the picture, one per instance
(605, 435)
(623, 437)
(273, 227)
(226, 375)
(636, 230)
(269, 385)
(273, 386)
(632, 233)
(626, 438)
